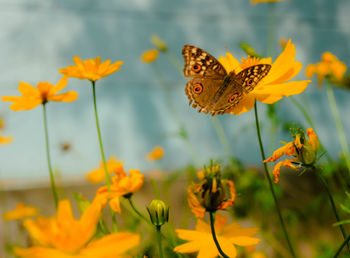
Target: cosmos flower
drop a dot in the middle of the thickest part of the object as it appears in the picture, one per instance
(275, 85)
(149, 56)
(62, 236)
(201, 240)
(156, 154)
(20, 212)
(91, 69)
(98, 175)
(43, 93)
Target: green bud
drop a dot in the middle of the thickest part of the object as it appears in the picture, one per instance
(158, 212)
(160, 44)
(249, 50)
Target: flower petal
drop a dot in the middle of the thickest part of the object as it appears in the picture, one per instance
(245, 240)
(62, 83)
(65, 97)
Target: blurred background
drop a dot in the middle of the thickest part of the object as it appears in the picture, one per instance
(144, 104)
(39, 37)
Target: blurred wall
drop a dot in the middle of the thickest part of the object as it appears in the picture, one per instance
(40, 36)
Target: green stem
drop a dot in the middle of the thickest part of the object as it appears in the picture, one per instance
(108, 180)
(339, 125)
(267, 174)
(212, 226)
(346, 242)
(52, 180)
(159, 238)
(325, 185)
(137, 211)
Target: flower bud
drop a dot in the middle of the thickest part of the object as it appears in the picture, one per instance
(307, 155)
(160, 44)
(158, 212)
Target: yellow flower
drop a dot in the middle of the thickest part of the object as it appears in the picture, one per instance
(155, 154)
(122, 186)
(211, 193)
(263, 1)
(201, 239)
(45, 91)
(63, 236)
(91, 69)
(5, 139)
(329, 67)
(20, 212)
(2, 123)
(275, 85)
(98, 175)
(303, 150)
(149, 56)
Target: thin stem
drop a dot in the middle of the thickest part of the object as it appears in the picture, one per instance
(221, 135)
(339, 125)
(159, 238)
(108, 180)
(52, 180)
(137, 211)
(267, 174)
(212, 226)
(325, 185)
(346, 242)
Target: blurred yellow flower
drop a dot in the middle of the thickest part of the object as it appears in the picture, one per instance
(20, 212)
(201, 240)
(149, 56)
(263, 1)
(122, 186)
(98, 175)
(156, 154)
(275, 85)
(2, 123)
(63, 236)
(159, 43)
(45, 92)
(303, 150)
(283, 42)
(5, 139)
(330, 66)
(91, 69)
(211, 193)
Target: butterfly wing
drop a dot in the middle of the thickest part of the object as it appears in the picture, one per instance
(251, 76)
(199, 63)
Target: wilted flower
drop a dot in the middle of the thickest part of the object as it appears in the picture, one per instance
(158, 212)
(63, 236)
(212, 193)
(98, 175)
(303, 150)
(330, 67)
(91, 69)
(201, 240)
(275, 85)
(20, 212)
(45, 92)
(122, 186)
(149, 56)
(156, 154)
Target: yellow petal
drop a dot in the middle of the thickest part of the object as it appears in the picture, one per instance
(245, 240)
(40, 252)
(230, 63)
(65, 97)
(22, 103)
(62, 83)
(27, 89)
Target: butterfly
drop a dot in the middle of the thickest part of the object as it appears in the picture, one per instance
(212, 89)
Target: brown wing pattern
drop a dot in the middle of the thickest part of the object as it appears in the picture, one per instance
(251, 76)
(199, 63)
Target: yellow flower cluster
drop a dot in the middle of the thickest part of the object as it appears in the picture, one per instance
(329, 67)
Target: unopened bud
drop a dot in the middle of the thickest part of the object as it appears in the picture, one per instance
(158, 212)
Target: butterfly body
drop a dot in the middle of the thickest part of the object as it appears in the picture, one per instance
(212, 89)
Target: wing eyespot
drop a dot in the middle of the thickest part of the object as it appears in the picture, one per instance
(233, 98)
(250, 82)
(197, 88)
(196, 68)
